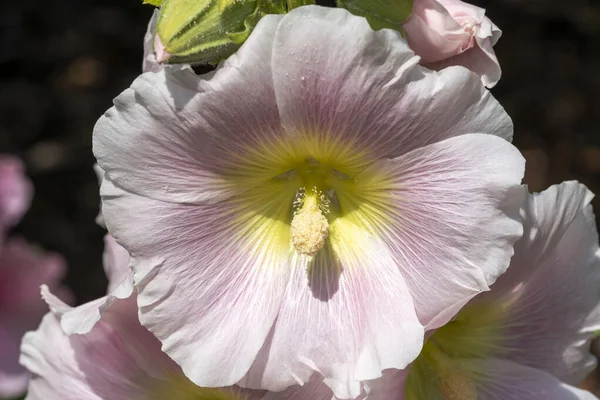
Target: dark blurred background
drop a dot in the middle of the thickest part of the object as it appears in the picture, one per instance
(61, 63)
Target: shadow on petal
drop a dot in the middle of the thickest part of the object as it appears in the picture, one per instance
(323, 272)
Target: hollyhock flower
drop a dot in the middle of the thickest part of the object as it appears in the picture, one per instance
(120, 360)
(452, 32)
(15, 191)
(22, 271)
(527, 338)
(310, 206)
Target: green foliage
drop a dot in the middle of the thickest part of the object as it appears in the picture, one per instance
(206, 31)
(155, 3)
(380, 13)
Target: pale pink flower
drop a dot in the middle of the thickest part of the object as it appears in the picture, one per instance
(15, 192)
(528, 338)
(118, 359)
(452, 32)
(311, 206)
(22, 270)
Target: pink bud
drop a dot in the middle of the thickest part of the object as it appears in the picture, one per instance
(452, 32)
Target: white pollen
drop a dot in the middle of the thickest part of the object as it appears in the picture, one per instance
(309, 228)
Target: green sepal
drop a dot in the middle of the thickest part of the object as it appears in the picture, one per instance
(291, 4)
(381, 13)
(155, 3)
(207, 31)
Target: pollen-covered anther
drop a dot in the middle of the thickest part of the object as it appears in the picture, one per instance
(309, 227)
(457, 385)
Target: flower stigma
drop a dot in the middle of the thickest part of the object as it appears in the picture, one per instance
(309, 227)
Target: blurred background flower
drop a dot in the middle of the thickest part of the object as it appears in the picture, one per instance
(23, 268)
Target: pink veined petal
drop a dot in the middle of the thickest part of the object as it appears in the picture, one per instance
(120, 360)
(208, 288)
(15, 191)
(552, 285)
(454, 218)
(391, 386)
(81, 319)
(174, 136)
(116, 266)
(505, 380)
(314, 389)
(371, 91)
(110, 362)
(347, 314)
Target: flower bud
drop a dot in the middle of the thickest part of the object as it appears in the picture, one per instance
(207, 31)
(380, 13)
(452, 32)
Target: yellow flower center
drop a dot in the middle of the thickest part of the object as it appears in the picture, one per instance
(436, 376)
(181, 388)
(443, 371)
(457, 385)
(312, 195)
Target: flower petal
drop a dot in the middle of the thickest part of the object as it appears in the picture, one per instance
(550, 291)
(480, 59)
(13, 385)
(506, 380)
(370, 91)
(99, 176)
(149, 63)
(81, 319)
(315, 389)
(96, 366)
(450, 214)
(347, 314)
(116, 266)
(210, 278)
(117, 360)
(391, 386)
(15, 192)
(174, 136)
(22, 271)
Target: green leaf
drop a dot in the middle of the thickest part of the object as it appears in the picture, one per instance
(381, 13)
(155, 3)
(291, 4)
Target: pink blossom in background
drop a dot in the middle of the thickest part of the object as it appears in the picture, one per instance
(310, 207)
(452, 32)
(23, 269)
(15, 192)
